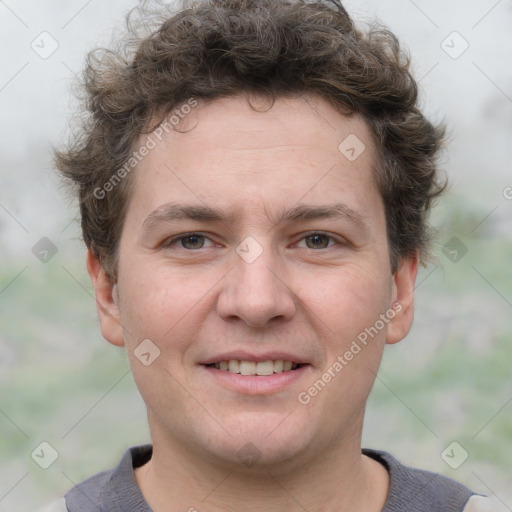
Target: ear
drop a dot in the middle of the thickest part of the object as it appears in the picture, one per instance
(403, 299)
(107, 301)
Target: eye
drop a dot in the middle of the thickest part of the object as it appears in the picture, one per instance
(190, 242)
(318, 241)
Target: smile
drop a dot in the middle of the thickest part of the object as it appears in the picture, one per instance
(261, 368)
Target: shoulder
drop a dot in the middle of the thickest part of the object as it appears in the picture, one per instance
(86, 496)
(417, 490)
(114, 489)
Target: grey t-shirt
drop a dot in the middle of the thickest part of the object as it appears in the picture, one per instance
(411, 490)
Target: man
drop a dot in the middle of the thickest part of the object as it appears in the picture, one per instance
(254, 179)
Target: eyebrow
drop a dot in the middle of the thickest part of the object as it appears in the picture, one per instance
(173, 211)
(306, 212)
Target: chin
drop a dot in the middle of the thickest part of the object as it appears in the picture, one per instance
(258, 442)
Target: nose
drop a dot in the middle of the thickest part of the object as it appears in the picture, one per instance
(256, 292)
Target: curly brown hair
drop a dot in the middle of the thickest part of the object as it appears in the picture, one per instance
(208, 49)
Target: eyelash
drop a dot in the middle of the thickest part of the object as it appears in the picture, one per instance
(184, 236)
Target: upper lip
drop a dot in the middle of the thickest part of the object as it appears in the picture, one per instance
(242, 355)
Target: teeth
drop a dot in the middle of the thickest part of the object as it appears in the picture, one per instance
(234, 366)
(252, 368)
(247, 368)
(278, 366)
(265, 368)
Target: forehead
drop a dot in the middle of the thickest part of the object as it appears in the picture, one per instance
(245, 123)
(266, 157)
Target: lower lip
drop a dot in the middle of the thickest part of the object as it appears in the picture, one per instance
(257, 384)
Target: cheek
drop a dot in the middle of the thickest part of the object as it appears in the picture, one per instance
(348, 299)
(166, 308)
(160, 304)
(345, 311)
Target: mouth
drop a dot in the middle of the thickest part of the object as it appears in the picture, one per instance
(258, 368)
(254, 374)
(258, 376)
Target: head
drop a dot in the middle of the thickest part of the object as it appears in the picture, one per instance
(254, 181)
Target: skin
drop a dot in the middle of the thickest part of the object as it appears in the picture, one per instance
(306, 296)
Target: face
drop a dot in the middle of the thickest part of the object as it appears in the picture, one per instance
(253, 243)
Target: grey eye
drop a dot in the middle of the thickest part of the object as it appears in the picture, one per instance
(192, 241)
(317, 241)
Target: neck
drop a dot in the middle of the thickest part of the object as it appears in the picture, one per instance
(339, 479)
